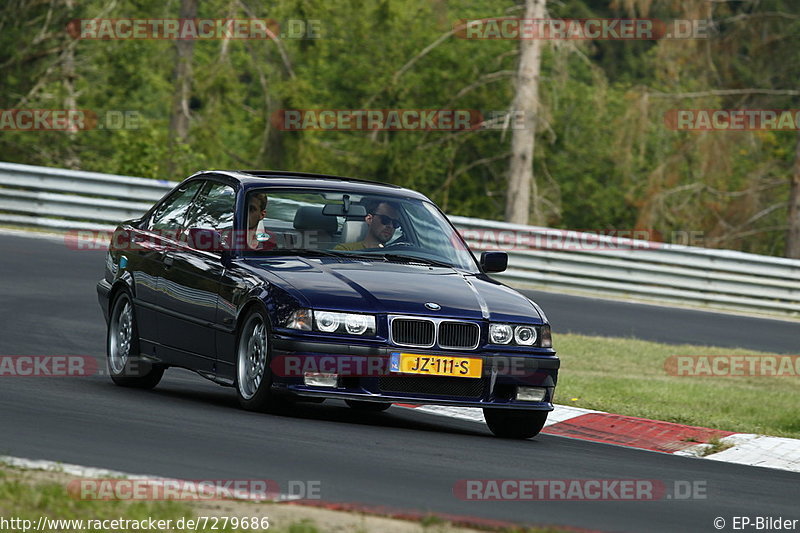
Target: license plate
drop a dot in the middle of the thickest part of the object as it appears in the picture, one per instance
(436, 365)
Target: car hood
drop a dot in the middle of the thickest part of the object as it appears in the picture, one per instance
(395, 288)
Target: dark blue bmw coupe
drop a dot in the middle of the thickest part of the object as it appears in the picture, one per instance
(303, 287)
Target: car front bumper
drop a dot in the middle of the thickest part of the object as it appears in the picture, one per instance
(502, 374)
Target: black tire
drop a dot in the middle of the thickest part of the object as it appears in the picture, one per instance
(368, 407)
(125, 364)
(513, 423)
(253, 356)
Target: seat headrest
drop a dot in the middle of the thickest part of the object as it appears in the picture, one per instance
(311, 218)
(354, 230)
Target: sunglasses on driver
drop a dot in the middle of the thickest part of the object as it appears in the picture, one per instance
(386, 220)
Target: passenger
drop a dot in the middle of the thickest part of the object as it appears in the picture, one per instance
(257, 237)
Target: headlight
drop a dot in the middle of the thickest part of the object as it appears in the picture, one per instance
(525, 335)
(350, 323)
(520, 335)
(500, 333)
(327, 322)
(356, 324)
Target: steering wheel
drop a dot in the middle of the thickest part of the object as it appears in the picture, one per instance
(403, 247)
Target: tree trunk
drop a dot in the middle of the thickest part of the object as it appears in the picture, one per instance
(521, 184)
(182, 78)
(68, 77)
(793, 233)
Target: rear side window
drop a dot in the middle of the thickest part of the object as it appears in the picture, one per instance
(171, 214)
(213, 208)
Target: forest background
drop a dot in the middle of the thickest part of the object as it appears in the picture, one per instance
(603, 155)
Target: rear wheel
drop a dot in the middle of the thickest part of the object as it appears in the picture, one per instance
(372, 407)
(125, 365)
(253, 375)
(513, 423)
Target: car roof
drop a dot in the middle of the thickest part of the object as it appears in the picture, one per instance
(279, 179)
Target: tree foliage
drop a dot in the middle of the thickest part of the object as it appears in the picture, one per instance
(603, 158)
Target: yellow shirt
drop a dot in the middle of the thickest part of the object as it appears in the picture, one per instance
(350, 246)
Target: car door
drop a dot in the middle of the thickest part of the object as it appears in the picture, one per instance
(189, 286)
(145, 253)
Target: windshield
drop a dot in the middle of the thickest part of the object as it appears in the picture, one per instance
(339, 223)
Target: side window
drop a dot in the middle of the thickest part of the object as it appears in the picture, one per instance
(213, 208)
(171, 214)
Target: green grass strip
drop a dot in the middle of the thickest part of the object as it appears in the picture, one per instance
(628, 377)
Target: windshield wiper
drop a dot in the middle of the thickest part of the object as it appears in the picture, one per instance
(350, 255)
(415, 259)
(304, 251)
(313, 252)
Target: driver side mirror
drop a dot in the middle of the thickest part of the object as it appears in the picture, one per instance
(494, 261)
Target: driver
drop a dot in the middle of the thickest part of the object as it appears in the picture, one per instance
(382, 220)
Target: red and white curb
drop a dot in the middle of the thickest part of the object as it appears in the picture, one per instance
(654, 435)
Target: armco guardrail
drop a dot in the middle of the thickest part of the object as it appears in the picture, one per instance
(73, 199)
(602, 265)
(722, 279)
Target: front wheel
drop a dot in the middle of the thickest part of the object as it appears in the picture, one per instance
(513, 423)
(125, 365)
(253, 375)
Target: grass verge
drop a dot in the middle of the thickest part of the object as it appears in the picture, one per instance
(628, 377)
(31, 494)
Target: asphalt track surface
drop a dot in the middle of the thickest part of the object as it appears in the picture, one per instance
(190, 428)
